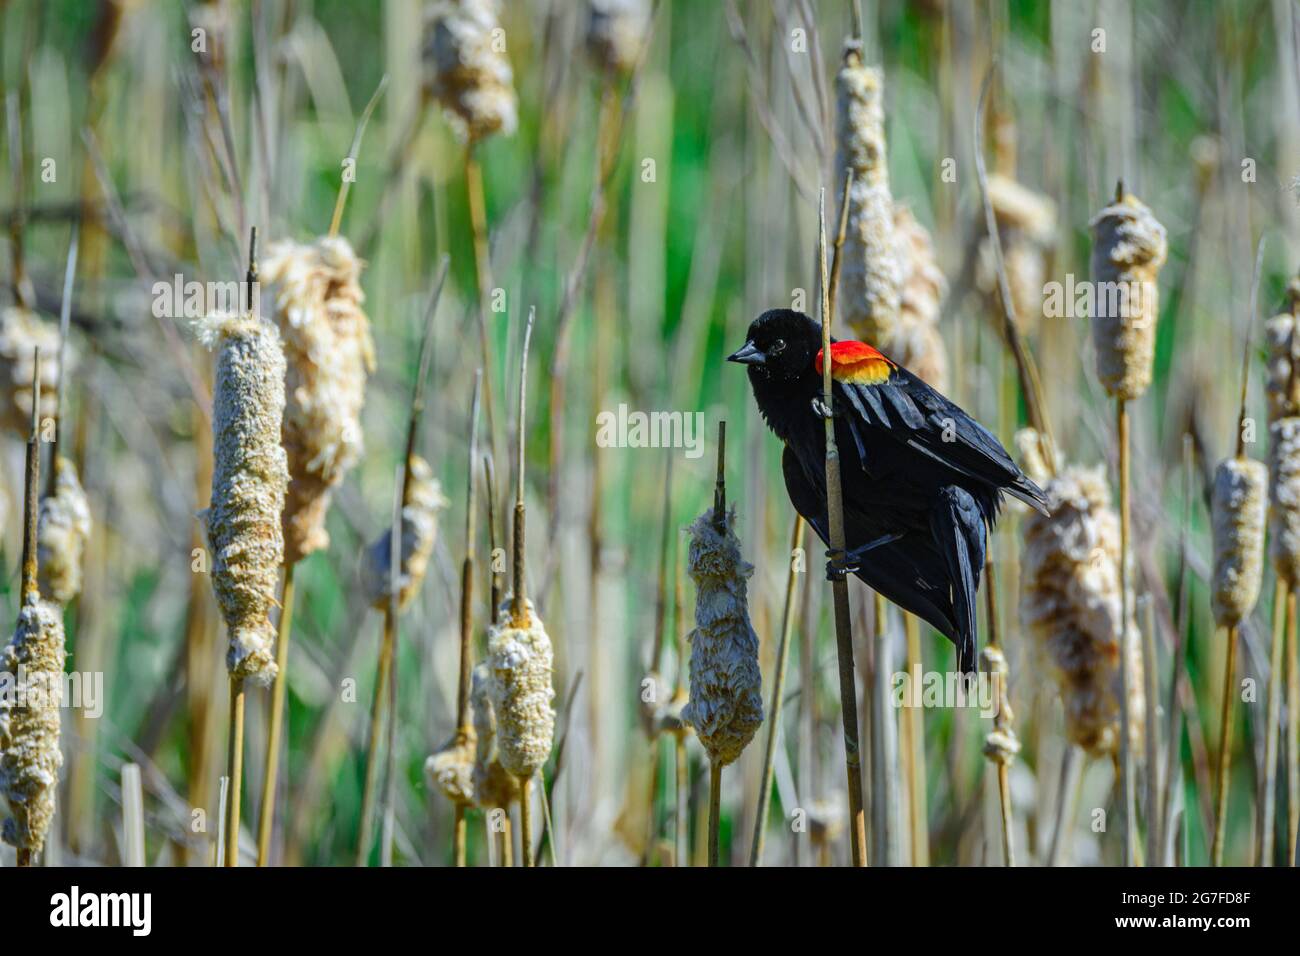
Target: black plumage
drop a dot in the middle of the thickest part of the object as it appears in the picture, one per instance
(922, 481)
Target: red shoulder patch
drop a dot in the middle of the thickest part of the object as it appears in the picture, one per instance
(857, 363)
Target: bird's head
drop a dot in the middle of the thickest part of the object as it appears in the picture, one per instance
(780, 344)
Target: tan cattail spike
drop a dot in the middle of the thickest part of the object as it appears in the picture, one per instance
(616, 31)
(520, 661)
(424, 499)
(1279, 334)
(918, 343)
(29, 723)
(327, 345)
(1070, 604)
(1284, 498)
(466, 69)
(63, 529)
(1128, 249)
(249, 479)
(21, 333)
(726, 702)
(450, 769)
(493, 785)
(1237, 517)
(1026, 226)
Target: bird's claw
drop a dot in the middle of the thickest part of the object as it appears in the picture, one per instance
(840, 564)
(821, 409)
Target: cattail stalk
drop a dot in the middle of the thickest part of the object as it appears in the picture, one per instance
(839, 587)
(1000, 745)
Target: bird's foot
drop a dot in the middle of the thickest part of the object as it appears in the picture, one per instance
(843, 563)
(821, 409)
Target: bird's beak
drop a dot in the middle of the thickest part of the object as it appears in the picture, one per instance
(748, 354)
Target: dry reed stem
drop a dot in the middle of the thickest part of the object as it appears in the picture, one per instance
(1268, 780)
(1292, 730)
(1225, 751)
(1001, 745)
(275, 726)
(1126, 783)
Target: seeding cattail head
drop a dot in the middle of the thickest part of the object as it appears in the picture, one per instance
(616, 31)
(249, 478)
(424, 499)
(1279, 333)
(63, 529)
(493, 785)
(21, 334)
(1284, 498)
(726, 702)
(29, 724)
(1071, 605)
(1237, 516)
(871, 276)
(1026, 225)
(917, 343)
(466, 69)
(1129, 247)
(450, 769)
(327, 345)
(520, 662)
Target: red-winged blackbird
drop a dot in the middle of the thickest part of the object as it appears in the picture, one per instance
(922, 480)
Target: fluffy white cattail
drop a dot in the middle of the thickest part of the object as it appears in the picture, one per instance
(1026, 225)
(520, 661)
(424, 499)
(1284, 498)
(466, 68)
(21, 333)
(616, 31)
(29, 723)
(726, 702)
(249, 479)
(493, 785)
(917, 343)
(327, 346)
(63, 528)
(1129, 247)
(871, 276)
(1237, 517)
(1279, 334)
(1071, 605)
(450, 769)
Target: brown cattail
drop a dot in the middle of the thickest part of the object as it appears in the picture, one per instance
(1129, 247)
(1071, 605)
(329, 352)
(29, 723)
(450, 769)
(21, 333)
(1284, 498)
(466, 69)
(63, 529)
(872, 276)
(1283, 386)
(726, 702)
(917, 343)
(493, 785)
(249, 479)
(1026, 226)
(1237, 517)
(424, 499)
(519, 658)
(616, 31)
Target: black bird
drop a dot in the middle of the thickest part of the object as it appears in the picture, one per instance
(922, 480)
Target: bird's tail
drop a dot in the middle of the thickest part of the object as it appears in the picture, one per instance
(959, 531)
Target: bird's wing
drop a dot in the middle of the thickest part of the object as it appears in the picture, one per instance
(887, 399)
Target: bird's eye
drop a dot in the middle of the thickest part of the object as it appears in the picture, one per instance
(777, 347)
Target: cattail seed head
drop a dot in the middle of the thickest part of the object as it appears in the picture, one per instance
(466, 68)
(616, 31)
(1237, 517)
(329, 352)
(249, 479)
(21, 333)
(493, 785)
(1279, 334)
(917, 342)
(520, 660)
(1071, 604)
(29, 725)
(726, 702)
(1284, 498)
(424, 499)
(871, 277)
(1129, 247)
(63, 528)
(450, 769)
(1026, 225)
